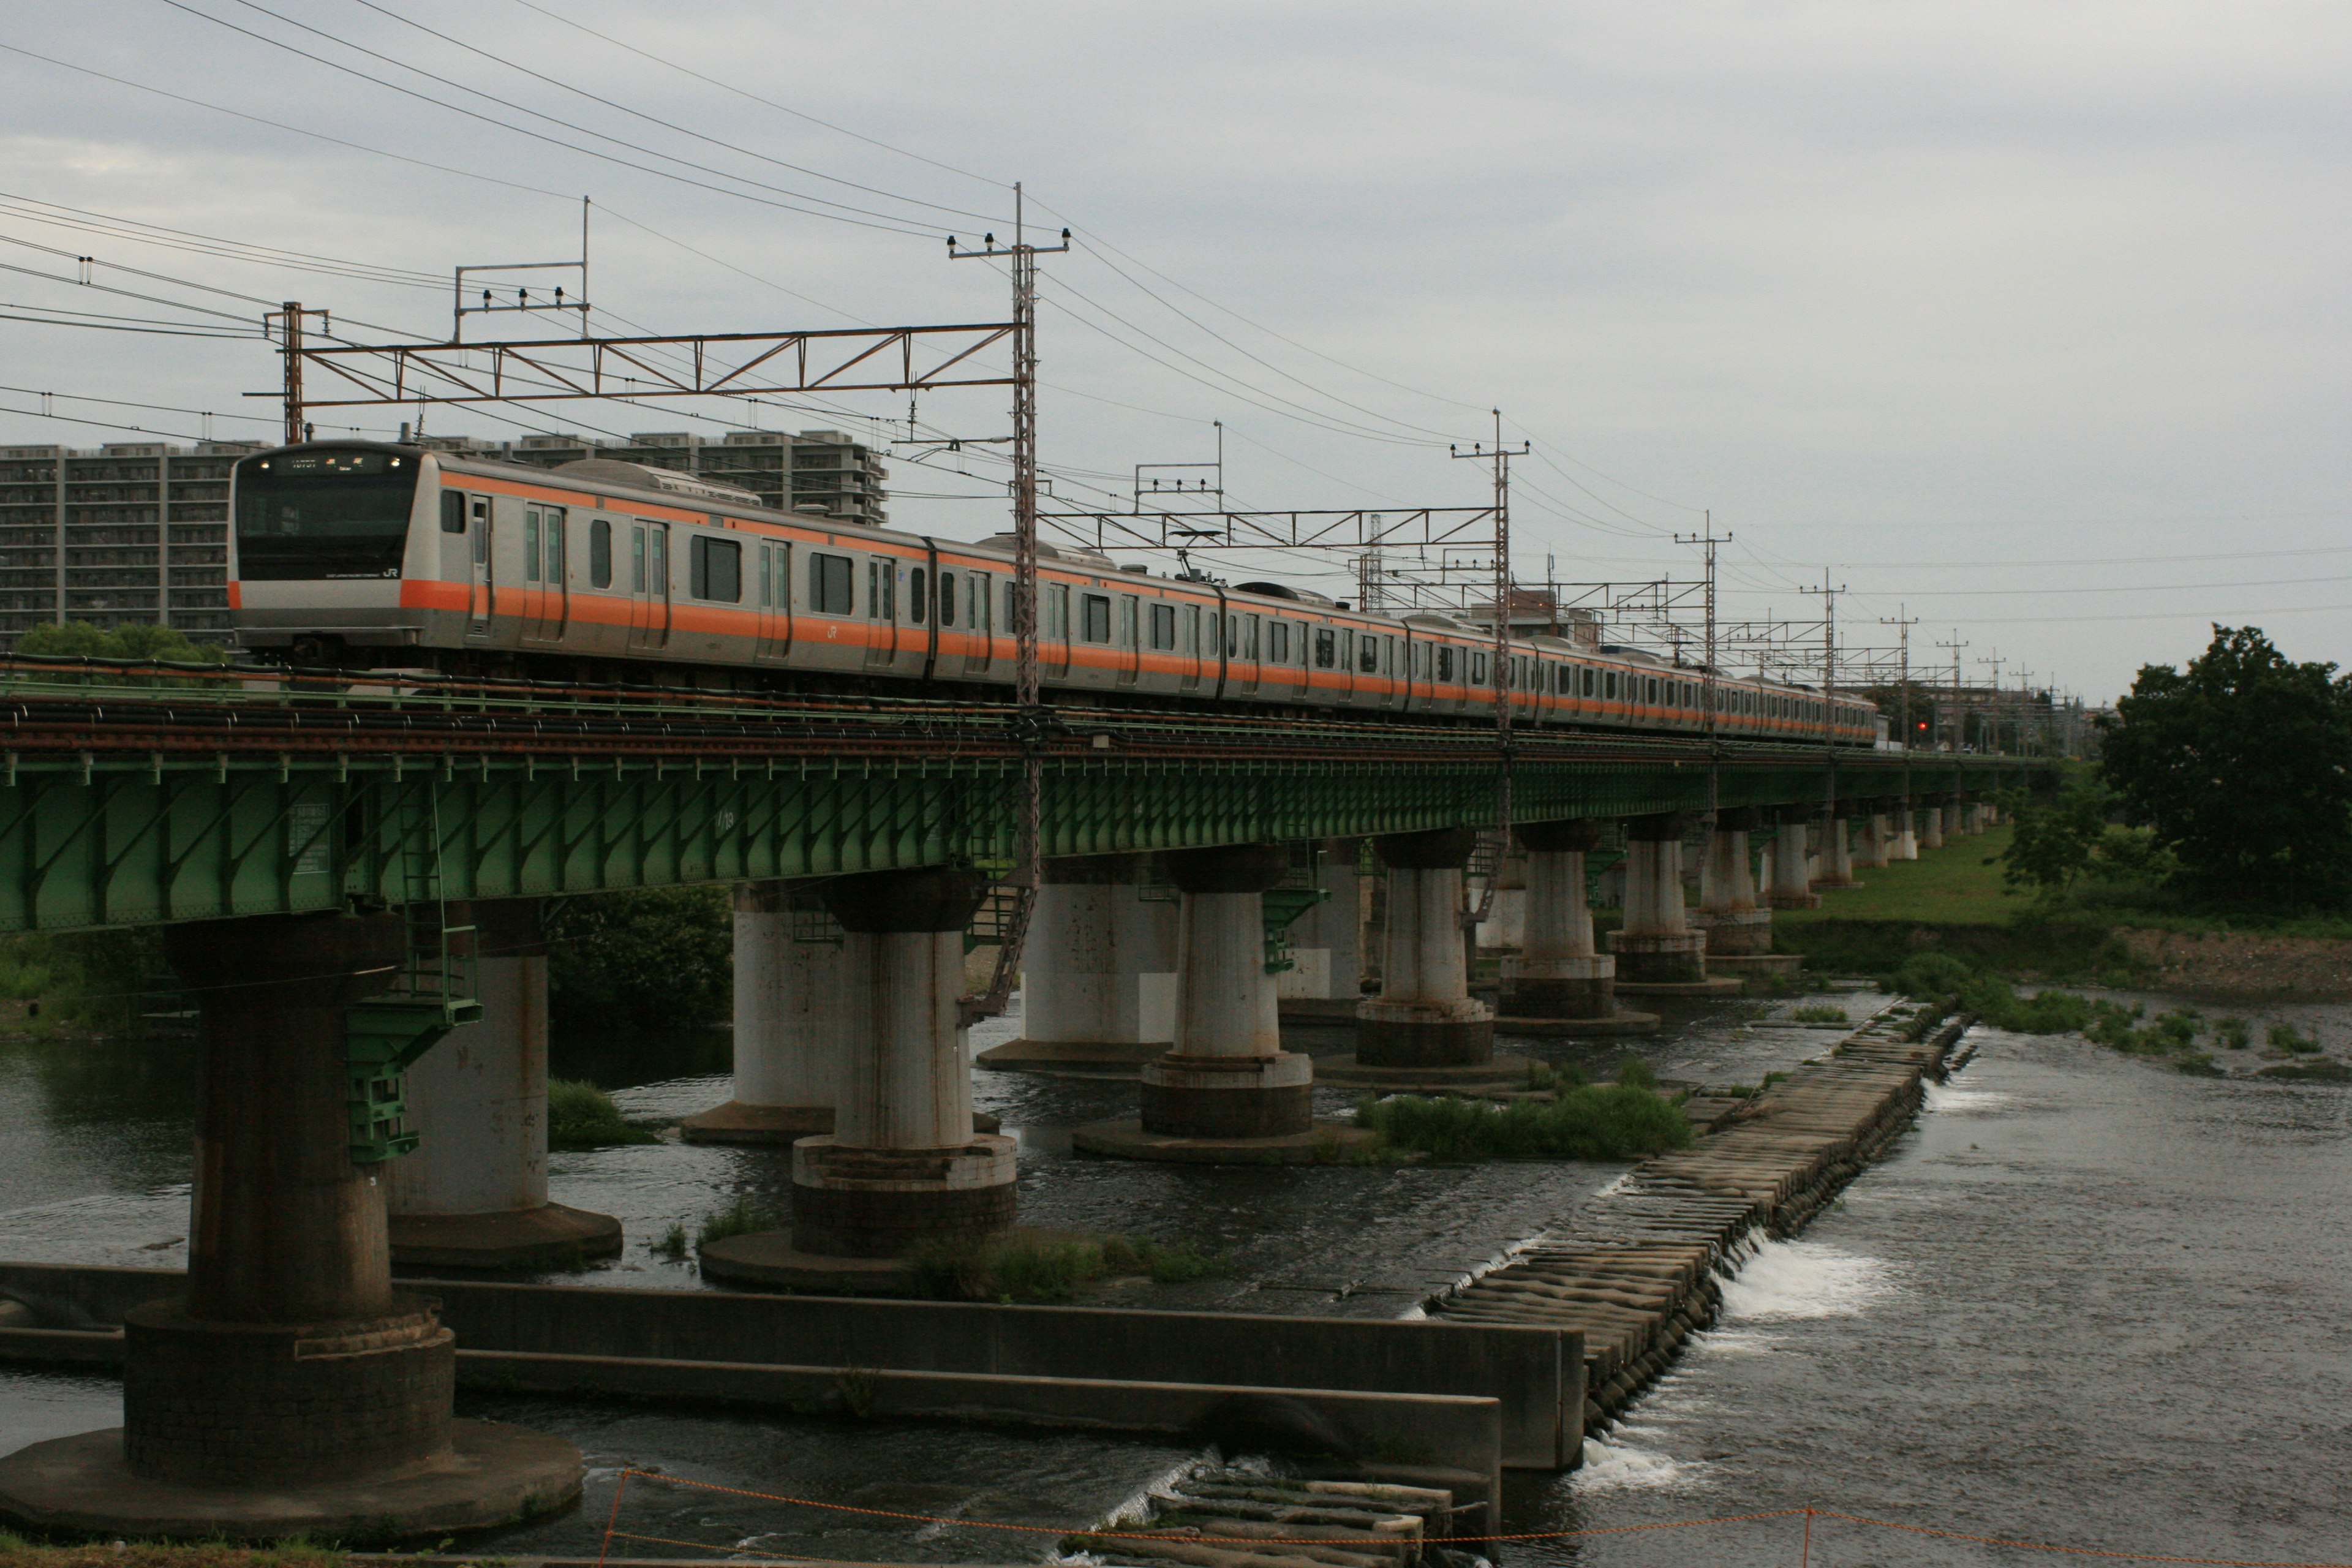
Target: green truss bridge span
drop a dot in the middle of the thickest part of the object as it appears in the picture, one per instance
(136, 793)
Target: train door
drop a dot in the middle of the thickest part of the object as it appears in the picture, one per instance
(1053, 638)
(1130, 641)
(1241, 644)
(979, 623)
(480, 587)
(776, 601)
(881, 612)
(547, 592)
(648, 586)
(1188, 646)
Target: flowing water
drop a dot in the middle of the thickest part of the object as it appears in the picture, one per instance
(2089, 1300)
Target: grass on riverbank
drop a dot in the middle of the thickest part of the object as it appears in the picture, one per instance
(1623, 1121)
(581, 1116)
(17, 1552)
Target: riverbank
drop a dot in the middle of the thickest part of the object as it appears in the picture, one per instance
(1951, 900)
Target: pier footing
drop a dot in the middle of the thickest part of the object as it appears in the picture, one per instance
(492, 1475)
(1498, 1072)
(1319, 1144)
(779, 1126)
(548, 1236)
(1123, 1058)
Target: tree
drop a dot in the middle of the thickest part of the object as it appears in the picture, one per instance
(81, 638)
(656, 958)
(2051, 844)
(2241, 763)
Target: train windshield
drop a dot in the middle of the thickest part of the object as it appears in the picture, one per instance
(312, 514)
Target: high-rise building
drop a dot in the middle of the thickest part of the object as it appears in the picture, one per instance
(134, 533)
(819, 471)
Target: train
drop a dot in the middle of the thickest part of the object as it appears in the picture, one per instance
(360, 552)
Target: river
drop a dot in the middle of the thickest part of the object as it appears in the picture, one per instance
(2088, 1300)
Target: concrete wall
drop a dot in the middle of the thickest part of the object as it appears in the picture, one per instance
(1537, 1375)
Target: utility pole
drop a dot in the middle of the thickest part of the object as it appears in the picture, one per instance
(1903, 692)
(1500, 459)
(1996, 661)
(1828, 630)
(1708, 539)
(289, 319)
(1029, 854)
(1955, 645)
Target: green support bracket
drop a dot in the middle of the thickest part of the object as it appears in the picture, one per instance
(381, 1040)
(1284, 905)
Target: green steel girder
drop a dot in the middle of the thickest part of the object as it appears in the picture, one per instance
(92, 839)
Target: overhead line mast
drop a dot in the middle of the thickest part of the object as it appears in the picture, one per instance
(1500, 457)
(1029, 853)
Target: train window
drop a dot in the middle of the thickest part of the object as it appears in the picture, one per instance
(600, 556)
(453, 512)
(1191, 643)
(715, 569)
(975, 613)
(830, 585)
(882, 590)
(1327, 643)
(1012, 603)
(552, 521)
(530, 544)
(919, 598)
(1249, 637)
(1368, 654)
(637, 560)
(481, 513)
(1213, 644)
(1098, 622)
(1445, 664)
(1478, 669)
(1277, 642)
(1057, 611)
(1163, 627)
(1129, 613)
(947, 598)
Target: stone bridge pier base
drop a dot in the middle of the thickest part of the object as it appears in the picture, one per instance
(1727, 909)
(1424, 1030)
(902, 1165)
(1325, 979)
(1931, 822)
(1836, 849)
(474, 1194)
(1225, 1090)
(1657, 951)
(292, 1389)
(1561, 984)
(1877, 837)
(1098, 981)
(1790, 885)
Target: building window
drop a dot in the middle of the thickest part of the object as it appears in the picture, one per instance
(715, 569)
(831, 585)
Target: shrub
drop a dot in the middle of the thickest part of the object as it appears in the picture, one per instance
(1820, 1013)
(2196, 1064)
(673, 1243)
(581, 1116)
(2232, 1034)
(744, 1217)
(660, 958)
(1634, 1073)
(1622, 1120)
(1016, 1267)
(2324, 1070)
(2284, 1037)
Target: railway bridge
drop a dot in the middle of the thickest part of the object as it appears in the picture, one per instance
(349, 869)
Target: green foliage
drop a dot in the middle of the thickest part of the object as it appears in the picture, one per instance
(2326, 1070)
(101, 982)
(744, 1217)
(82, 640)
(661, 958)
(2133, 855)
(2232, 1034)
(1542, 1077)
(2242, 765)
(1634, 1073)
(1623, 1121)
(581, 1116)
(2196, 1064)
(2285, 1037)
(673, 1243)
(2051, 845)
(1820, 1013)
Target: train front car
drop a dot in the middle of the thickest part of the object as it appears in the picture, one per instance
(324, 554)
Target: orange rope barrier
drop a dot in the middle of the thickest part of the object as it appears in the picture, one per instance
(1808, 1513)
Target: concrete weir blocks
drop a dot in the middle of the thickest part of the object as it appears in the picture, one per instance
(1227, 1089)
(291, 1377)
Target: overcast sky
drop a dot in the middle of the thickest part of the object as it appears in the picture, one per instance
(2028, 317)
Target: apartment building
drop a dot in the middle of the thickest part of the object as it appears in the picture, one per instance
(821, 471)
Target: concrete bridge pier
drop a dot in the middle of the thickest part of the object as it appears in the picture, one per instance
(1948, 816)
(1225, 1090)
(474, 1194)
(1905, 844)
(1505, 929)
(1561, 984)
(1325, 979)
(1792, 880)
(1727, 908)
(1876, 837)
(1657, 951)
(1424, 1030)
(1837, 848)
(1931, 822)
(1098, 970)
(790, 1002)
(292, 1389)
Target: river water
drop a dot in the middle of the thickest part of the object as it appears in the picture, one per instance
(2088, 1300)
